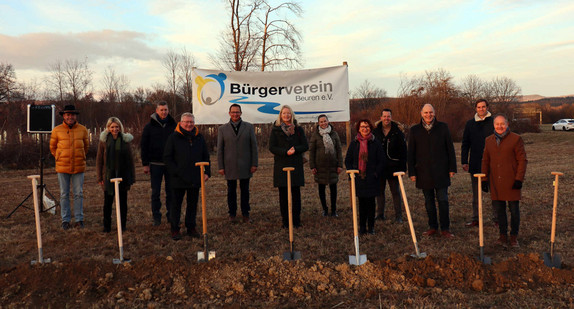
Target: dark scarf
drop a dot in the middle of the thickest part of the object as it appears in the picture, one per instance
(288, 129)
(189, 135)
(500, 137)
(113, 150)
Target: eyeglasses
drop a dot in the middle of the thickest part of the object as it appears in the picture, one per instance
(364, 127)
(235, 112)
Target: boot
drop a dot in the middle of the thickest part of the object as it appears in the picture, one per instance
(514, 242)
(502, 240)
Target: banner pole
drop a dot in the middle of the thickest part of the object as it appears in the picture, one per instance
(348, 123)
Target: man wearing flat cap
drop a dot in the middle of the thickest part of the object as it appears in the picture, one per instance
(69, 145)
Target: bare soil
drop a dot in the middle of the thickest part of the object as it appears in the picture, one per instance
(249, 270)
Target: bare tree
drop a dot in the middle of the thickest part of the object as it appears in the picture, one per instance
(187, 64)
(473, 89)
(115, 86)
(7, 80)
(279, 46)
(56, 81)
(171, 63)
(504, 92)
(28, 91)
(71, 79)
(367, 90)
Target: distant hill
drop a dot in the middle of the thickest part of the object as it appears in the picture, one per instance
(535, 97)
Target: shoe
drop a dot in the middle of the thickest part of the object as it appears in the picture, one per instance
(193, 233)
(372, 232)
(156, 222)
(514, 242)
(325, 213)
(107, 230)
(175, 235)
(65, 225)
(398, 220)
(502, 240)
(447, 234)
(246, 219)
(334, 214)
(79, 224)
(472, 223)
(380, 217)
(430, 232)
(231, 218)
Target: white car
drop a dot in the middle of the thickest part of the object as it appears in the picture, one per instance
(564, 125)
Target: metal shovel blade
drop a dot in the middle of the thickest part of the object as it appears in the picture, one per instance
(552, 260)
(120, 261)
(421, 255)
(291, 256)
(484, 259)
(43, 261)
(201, 256)
(353, 259)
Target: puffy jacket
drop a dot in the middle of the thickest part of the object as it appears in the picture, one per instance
(69, 146)
(326, 164)
(154, 137)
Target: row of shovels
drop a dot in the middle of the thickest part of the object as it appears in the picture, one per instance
(550, 258)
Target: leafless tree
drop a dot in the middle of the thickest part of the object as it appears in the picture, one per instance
(7, 80)
(473, 89)
(171, 62)
(28, 91)
(186, 66)
(504, 92)
(368, 90)
(115, 86)
(71, 79)
(279, 38)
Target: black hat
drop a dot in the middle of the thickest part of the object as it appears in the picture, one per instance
(69, 109)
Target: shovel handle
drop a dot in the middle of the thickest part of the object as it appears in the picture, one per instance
(480, 222)
(34, 179)
(354, 202)
(289, 201)
(408, 211)
(116, 182)
(555, 206)
(203, 208)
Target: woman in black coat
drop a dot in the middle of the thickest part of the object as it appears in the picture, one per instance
(115, 160)
(287, 142)
(366, 155)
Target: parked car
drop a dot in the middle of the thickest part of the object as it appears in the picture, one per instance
(564, 125)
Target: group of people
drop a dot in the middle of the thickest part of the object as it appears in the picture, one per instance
(169, 151)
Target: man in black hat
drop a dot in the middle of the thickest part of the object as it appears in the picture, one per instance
(69, 144)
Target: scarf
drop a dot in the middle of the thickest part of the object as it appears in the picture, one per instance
(499, 137)
(327, 141)
(235, 126)
(288, 129)
(428, 127)
(114, 150)
(363, 153)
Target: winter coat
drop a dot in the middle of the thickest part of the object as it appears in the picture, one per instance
(326, 164)
(279, 143)
(369, 186)
(180, 156)
(503, 164)
(473, 141)
(126, 164)
(154, 137)
(69, 146)
(394, 146)
(237, 153)
(431, 156)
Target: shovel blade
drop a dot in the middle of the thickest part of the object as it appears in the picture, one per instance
(421, 255)
(353, 259)
(292, 256)
(44, 261)
(120, 261)
(552, 261)
(484, 259)
(201, 256)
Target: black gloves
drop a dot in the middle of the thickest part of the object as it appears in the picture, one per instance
(485, 186)
(517, 185)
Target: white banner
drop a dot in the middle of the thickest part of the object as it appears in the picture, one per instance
(261, 94)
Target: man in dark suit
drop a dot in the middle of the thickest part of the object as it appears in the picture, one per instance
(237, 159)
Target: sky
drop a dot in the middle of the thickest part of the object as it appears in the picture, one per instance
(383, 41)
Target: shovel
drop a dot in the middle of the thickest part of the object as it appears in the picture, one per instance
(205, 255)
(41, 259)
(357, 259)
(482, 258)
(121, 260)
(418, 254)
(551, 259)
(292, 254)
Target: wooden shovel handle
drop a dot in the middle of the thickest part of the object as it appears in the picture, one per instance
(116, 182)
(203, 207)
(289, 202)
(354, 201)
(480, 222)
(34, 179)
(555, 205)
(408, 211)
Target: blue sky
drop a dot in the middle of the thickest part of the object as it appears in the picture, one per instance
(530, 41)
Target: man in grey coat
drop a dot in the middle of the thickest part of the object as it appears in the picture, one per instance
(237, 159)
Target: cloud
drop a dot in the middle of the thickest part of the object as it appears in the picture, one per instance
(37, 50)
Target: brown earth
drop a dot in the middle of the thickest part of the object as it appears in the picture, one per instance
(249, 270)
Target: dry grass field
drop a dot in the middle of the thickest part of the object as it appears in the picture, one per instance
(249, 270)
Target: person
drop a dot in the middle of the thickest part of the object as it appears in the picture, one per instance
(504, 164)
(237, 159)
(184, 147)
(366, 155)
(115, 160)
(154, 136)
(475, 131)
(431, 163)
(287, 142)
(388, 133)
(69, 144)
(326, 161)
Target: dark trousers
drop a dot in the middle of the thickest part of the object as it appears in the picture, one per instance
(232, 197)
(441, 195)
(367, 210)
(503, 219)
(296, 205)
(475, 202)
(396, 195)
(323, 197)
(190, 211)
(157, 173)
(108, 202)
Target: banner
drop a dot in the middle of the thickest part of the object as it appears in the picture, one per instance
(261, 94)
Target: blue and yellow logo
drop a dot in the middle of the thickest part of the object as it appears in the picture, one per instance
(211, 88)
